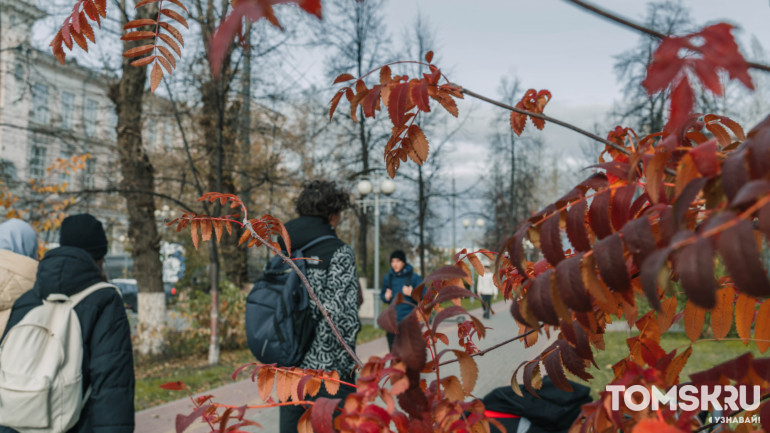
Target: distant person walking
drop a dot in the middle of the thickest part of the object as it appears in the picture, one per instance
(107, 369)
(334, 279)
(400, 279)
(18, 264)
(485, 287)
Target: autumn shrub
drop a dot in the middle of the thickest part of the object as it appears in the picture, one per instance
(193, 310)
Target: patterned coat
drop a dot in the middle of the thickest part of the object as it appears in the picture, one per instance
(335, 281)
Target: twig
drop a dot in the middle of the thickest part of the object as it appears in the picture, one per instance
(306, 283)
(641, 28)
(483, 352)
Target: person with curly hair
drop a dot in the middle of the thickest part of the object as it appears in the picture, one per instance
(334, 279)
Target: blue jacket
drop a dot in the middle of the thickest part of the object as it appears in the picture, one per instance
(396, 282)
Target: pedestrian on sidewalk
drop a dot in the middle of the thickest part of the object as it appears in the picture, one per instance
(107, 369)
(400, 279)
(18, 264)
(485, 287)
(334, 279)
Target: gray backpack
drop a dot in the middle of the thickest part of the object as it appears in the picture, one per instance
(41, 357)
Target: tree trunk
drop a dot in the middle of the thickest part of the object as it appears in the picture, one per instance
(423, 207)
(138, 175)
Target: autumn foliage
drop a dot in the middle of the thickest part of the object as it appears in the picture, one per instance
(656, 216)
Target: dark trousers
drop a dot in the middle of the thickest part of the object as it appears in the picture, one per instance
(289, 415)
(487, 302)
(390, 338)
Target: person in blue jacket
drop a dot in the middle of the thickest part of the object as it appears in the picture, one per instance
(400, 279)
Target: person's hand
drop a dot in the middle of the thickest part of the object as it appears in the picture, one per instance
(407, 290)
(388, 294)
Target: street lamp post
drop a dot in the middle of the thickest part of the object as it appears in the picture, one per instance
(380, 186)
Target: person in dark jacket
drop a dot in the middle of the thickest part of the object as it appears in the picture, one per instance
(334, 279)
(108, 366)
(400, 279)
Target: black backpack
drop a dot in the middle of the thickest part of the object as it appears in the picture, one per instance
(279, 323)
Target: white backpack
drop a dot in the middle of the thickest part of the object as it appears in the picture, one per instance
(41, 357)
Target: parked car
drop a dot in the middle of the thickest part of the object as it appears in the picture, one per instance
(130, 290)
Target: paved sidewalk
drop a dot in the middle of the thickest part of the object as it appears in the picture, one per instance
(495, 370)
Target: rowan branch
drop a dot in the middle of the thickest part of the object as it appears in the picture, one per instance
(483, 352)
(641, 28)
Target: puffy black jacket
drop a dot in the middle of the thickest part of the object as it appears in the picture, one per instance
(108, 365)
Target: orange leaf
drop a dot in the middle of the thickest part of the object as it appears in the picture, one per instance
(174, 32)
(469, 371)
(666, 314)
(173, 386)
(265, 382)
(143, 61)
(694, 318)
(385, 74)
(744, 315)
(419, 143)
(342, 78)
(178, 3)
(139, 23)
(722, 313)
(429, 56)
(335, 101)
(169, 57)
(175, 16)
(762, 327)
(194, 232)
(654, 174)
(139, 51)
(137, 36)
(331, 386)
(205, 229)
(218, 229)
(155, 76)
(675, 367)
(171, 43)
(283, 385)
(165, 64)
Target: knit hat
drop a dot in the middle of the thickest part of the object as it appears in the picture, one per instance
(398, 254)
(86, 232)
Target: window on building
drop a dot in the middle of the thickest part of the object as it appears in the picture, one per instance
(90, 117)
(37, 164)
(89, 174)
(67, 109)
(40, 103)
(64, 176)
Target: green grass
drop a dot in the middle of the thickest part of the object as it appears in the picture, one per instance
(705, 354)
(197, 375)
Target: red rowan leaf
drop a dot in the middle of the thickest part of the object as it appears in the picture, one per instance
(397, 103)
(335, 101)
(694, 318)
(448, 103)
(738, 249)
(576, 229)
(385, 77)
(614, 168)
(174, 15)
(245, 236)
(686, 197)
(734, 173)
(387, 319)
(597, 288)
(653, 425)
(332, 386)
(682, 101)
(419, 143)
(745, 307)
(705, 158)
(572, 362)
(651, 351)
(570, 284)
(608, 253)
(445, 314)
(171, 43)
(763, 218)
(720, 134)
(599, 216)
(85, 28)
(651, 273)
(553, 366)
(762, 327)
(419, 94)
(80, 40)
(371, 102)
(408, 344)
(194, 232)
(707, 75)
(173, 31)
(539, 297)
(283, 386)
(342, 78)
(168, 56)
(155, 76)
(518, 121)
(182, 421)
(516, 250)
(639, 240)
(139, 23)
(532, 378)
(621, 202)
(674, 369)
(550, 240)
(429, 56)
(144, 61)
(322, 415)
(654, 172)
(174, 386)
(139, 51)
(722, 314)
(750, 192)
(304, 425)
(137, 36)
(469, 371)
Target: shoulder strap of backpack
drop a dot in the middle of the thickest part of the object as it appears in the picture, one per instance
(77, 297)
(316, 241)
